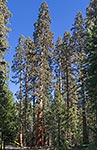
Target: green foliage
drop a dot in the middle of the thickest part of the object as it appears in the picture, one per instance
(78, 45)
(57, 96)
(8, 116)
(4, 18)
(91, 53)
(24, 75)
(91, 68)
(65, 98)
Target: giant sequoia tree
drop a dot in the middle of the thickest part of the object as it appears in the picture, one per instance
(43, 44)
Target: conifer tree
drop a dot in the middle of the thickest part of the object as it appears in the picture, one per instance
(59, 103)
(18, 70)
(70, 93)
(91, 67)
(43, 44)
(65, 93)
(7, 117)
(24, 64)
(29, 81)
(58, 60)
(91, 12)
(78, 39)
(4, 20)
(4, 30)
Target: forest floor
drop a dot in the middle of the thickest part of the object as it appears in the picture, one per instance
(84, 147)
(8, 147)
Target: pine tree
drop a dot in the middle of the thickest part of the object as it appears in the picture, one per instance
(91, 12)
(4, 30)
(78, 39)
(29, 83)
(65, 94)
(58, 60)
(43, 44)
(18, 69)
(59, 102)
(91, 67)
(70, 93)
(7, 117)
(4, 19)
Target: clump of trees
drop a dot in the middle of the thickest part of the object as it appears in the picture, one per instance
(57, 83)
(7, 106)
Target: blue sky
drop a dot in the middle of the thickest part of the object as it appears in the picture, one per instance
(25, 14)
